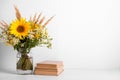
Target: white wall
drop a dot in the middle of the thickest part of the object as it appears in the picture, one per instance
(86, 33)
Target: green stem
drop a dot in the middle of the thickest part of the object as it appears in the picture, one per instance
(24, 63)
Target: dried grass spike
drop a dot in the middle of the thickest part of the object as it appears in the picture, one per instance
(41, 20)
(34, 18)
(2, 28)
(5, 24)
(30, 18)
(1, 23)
(38, 17)
(48, 21)
(18, 15)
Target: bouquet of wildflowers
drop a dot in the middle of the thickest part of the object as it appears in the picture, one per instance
(25, 34)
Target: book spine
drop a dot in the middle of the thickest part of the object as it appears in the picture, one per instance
(47, 73)
(49, 70)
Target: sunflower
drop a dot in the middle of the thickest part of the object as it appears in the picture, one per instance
(20, 28)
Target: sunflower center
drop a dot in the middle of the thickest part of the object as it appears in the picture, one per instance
(20, 29)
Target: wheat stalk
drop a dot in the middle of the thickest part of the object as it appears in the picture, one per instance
(30, 18)
(34, 18)
(40, 22)
(38, 18)
(47, 21)
(4, 24)
(2, 28)
(18, 15)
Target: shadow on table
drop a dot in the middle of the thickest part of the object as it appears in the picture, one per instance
(8, 71)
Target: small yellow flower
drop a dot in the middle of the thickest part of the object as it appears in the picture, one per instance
(34, 26)
(20, 28)
(37, 36)
(10, 42)
(7, 44)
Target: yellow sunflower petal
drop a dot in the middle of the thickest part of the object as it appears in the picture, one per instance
(20, 28)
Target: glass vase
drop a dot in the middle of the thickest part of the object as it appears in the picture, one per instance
(24, 64)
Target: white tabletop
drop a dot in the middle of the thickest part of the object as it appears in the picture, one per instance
(68, 74)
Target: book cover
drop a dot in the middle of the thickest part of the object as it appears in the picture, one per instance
(50, 64)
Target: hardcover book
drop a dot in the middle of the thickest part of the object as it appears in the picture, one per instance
(49, 70)
(50, 64)
(53, 73)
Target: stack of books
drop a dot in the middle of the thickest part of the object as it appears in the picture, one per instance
(49, 68)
